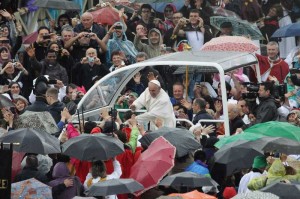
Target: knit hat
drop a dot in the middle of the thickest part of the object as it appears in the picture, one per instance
(134, 94)
(259, 162)
(229, 192)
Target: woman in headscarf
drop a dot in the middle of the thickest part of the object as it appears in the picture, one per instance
(64, 185)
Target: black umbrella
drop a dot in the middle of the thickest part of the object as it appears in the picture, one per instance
(275, 144)
(283, 190)
(57, 4)
(236, 155)
(182, 139)
(5, 102)
(188, 179)
(114, 186)
(93, 147)
(32, 141)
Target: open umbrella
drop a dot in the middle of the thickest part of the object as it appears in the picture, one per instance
(93, 147)
(32, 141)
(188, 179)
(240, 27)
(283, 190)
(182, 139)
(153, 164)
(114, 186)
(5, 102)
(105, 15)
(30, 188)
(153, 1)
(160, 6)
(290, 30)
(40, 121)
(264, 143)
(275, 129)
(256, 195)
(223, 12)
(230, 43)
(29, 39)
(236, 156)
(193, 195)
(243, 136)
(276, 144)
(57, 4)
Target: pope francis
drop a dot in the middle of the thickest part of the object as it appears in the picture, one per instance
(158, 105)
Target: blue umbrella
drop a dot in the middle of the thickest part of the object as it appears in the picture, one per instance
(290, 30)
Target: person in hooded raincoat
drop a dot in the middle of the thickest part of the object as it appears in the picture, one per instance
(119, 42)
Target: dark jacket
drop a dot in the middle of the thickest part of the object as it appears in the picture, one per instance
(55, 110)
(39, 105)
(99, 30)
(266, 110)
(54, 71)
(203, 115)
(234, 124)
(85, 74)
(30, 172)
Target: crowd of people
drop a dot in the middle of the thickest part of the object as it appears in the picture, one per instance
(69, 56)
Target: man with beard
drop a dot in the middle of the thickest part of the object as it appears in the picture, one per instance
(48, 66)
(155, 41)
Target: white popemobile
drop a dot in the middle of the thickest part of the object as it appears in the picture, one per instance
(106, 91)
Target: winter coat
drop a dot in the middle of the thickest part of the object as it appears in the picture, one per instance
(60, 173)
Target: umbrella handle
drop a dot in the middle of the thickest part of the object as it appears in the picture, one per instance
(186, 81)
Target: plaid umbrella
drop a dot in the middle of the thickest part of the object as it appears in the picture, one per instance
(31, 188)
(240, 27)
(230, 43)
(223, 12)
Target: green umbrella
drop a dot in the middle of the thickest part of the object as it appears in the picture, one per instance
(270, 129)
(275, 129)
(243, 136)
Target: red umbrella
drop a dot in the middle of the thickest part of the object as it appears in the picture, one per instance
(29, 39)
(153, 164)
(230, 43)
(105, 16)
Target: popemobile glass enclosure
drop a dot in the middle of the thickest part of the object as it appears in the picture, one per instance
(105, 92)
